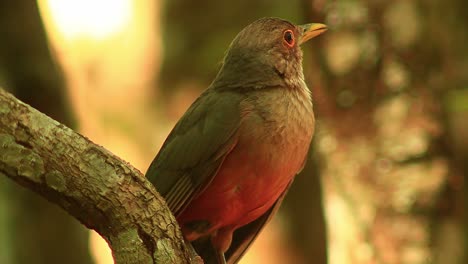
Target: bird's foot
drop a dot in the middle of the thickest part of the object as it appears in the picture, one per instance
(220, 257)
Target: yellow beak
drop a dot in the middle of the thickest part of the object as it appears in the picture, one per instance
(311, 30)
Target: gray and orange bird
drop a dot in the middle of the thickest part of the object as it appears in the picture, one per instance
(227, 164)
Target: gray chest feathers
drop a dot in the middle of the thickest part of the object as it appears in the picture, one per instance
(280, 117)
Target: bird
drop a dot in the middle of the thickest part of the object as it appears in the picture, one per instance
(227, 164)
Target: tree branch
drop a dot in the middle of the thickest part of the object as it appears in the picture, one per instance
(99, 189)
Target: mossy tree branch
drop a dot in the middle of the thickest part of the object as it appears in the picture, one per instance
(99, 189)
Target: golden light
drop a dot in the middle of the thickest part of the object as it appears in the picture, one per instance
(109, 53)
(88, 18)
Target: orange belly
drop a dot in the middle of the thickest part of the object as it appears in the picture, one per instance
(271, 147)
(246, 186)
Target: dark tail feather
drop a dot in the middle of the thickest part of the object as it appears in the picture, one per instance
(207, 252)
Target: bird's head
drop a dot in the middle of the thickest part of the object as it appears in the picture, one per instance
(266, 53)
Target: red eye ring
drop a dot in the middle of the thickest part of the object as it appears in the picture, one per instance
(288, 38)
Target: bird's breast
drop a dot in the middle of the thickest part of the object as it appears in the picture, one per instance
(273, 140)
(276, 132)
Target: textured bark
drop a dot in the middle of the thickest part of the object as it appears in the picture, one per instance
(100, 190)
(33, 230)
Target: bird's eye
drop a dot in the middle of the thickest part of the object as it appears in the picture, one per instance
(288, 38)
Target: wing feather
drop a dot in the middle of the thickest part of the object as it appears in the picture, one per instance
(196, 148)
(182, 189)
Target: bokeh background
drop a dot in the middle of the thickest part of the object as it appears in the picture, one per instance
(387, 167)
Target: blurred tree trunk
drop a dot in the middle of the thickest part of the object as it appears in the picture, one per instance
(391, 188)
(31, 229)
(303, 208)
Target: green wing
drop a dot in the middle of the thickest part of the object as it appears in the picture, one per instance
(196, 147)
